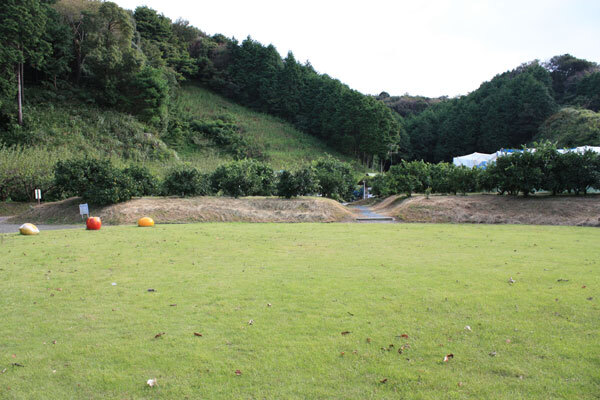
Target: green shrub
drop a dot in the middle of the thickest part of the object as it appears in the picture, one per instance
(144, 183)
(24, 169)
(187, 181)
(96, 181)
(335, 178)
(299, 183)
(244, 178)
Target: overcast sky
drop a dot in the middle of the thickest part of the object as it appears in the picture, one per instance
(421, 47)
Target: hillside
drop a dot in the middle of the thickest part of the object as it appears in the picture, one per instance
(277, 141)
(66, 127)
(571, 127)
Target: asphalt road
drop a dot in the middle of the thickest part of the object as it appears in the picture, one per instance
(12, 228)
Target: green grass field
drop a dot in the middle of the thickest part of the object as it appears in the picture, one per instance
(67, 332)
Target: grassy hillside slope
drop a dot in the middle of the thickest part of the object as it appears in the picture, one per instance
(283, 145)
(66, 127)
(572, 127)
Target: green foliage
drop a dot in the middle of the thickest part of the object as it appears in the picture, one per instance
(226, 134)
(148, 96)
(24, 169)
(571, 127)
(566, 72)
(335, 178)
(299, 183)
(143, 182)
(96, 181)
(244, 178)
(587, 92)
(503, 113)
(187, 181)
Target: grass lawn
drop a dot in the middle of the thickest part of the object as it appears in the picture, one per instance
(67, 332)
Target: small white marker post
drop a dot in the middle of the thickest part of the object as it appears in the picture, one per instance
(84, 210)
(38, 195)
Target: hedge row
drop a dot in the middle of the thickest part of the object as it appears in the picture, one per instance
(521, 172)
(101, 183)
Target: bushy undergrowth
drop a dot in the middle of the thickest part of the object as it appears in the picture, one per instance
(187, 181)
(24, 169)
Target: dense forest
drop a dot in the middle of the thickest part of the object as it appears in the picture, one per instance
(509, 111)
(133, 61)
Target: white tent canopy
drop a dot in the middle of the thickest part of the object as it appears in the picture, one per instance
(482, 159)
(474, 159)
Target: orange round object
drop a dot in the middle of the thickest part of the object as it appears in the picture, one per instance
(93, 223)
(145, 222)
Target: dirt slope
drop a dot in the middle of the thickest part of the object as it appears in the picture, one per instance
(494, 209)
(196, 209)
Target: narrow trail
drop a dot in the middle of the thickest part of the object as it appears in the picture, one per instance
(369, 216)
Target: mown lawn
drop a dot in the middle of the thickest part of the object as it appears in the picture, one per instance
(67, 332)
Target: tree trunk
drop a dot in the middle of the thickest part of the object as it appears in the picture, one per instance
(22, 82)
(19, 94)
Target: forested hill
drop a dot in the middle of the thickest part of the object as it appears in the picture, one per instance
(132, 61)
(531, 102)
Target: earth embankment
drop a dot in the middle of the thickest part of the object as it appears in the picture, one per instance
(195, 209)
(494, 209)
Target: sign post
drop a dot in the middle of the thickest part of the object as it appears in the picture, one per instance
(84, 210)
(38, 195)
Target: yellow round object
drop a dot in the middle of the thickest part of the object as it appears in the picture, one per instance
(29, 229)
(146, 221)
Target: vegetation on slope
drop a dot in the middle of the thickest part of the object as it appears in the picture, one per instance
(571, 127)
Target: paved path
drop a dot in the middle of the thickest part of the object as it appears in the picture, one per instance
(367, 215)
(13, 228)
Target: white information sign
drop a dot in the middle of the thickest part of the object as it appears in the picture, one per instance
(38, 194)
(84, 210)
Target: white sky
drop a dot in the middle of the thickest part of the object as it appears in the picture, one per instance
(421, 47)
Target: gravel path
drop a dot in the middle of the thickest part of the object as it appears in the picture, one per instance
(12, 228)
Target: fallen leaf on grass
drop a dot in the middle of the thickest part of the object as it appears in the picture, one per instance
(172, 305)
(468, 328)
(368, 340)
(251, 322)
(14, 356)
(404, 335)
(3, 371)
(355, 352)
(346, 333)
(59, 289)
(54, 342)
(151, 290)
(342, 353)
(349, 313)
(448, 357)
(17, 365)
(590, 298)
(507, 340)
(238, 372)
(460, 384)
(269, 304)
(158, 335)
(493, 354)
(384, 380)
(583, 287)
(197, 334)
(151, 382)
